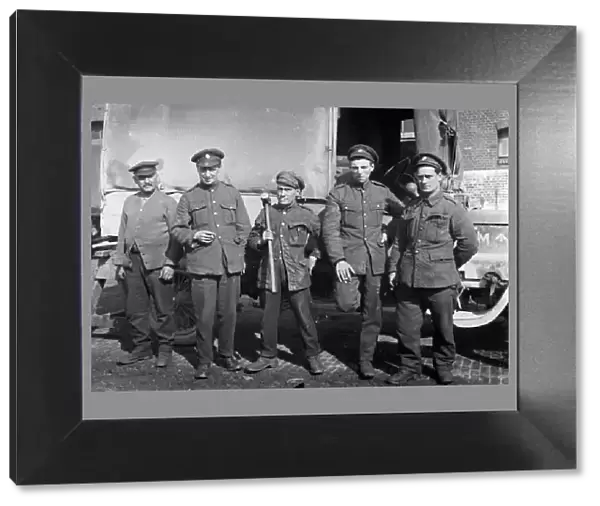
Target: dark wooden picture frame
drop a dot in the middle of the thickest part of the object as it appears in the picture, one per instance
(51, 443)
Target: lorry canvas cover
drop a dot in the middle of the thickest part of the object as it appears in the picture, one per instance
(257, 141)
(436, 133)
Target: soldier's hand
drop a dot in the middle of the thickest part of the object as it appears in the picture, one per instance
(382, 239)
(392, 279)
(311, 263)
(344, 271)
(267, 235)
(204, 236)
(166, 273)
(120, 274)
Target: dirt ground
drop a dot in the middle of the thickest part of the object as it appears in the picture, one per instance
(482, 354)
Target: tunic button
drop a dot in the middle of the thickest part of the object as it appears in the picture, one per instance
(215, 212)
(217, 224)
(214, 202)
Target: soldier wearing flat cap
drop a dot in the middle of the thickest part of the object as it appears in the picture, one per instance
(292, 227)
(353, 237)
(145, 256)
(213, 226)
(435, 237)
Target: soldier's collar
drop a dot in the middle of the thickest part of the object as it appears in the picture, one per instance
(215, 185)
(281, 207)
(434, 198)
(364, 186)
(146, 196)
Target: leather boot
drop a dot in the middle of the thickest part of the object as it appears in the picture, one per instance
(315, 366)
(202, 371)
(444, 376)
(164, 358)
(134, 357)
(366, 370)
(231, 363)
(261, 364)
(402, 377)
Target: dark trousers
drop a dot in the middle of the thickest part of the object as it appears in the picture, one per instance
(348, 299)
(410, 306)
(300, 302)
(215, 295)
(146, 293)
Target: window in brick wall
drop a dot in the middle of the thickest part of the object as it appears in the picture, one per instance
(503, 146)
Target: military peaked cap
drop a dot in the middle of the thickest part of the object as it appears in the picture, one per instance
(363, 151)
(291, 179)
(144, 168)
(210, 157)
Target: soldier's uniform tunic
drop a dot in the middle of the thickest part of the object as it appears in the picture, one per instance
(292, 228)
(216, 267)
(352, 231)
(434, 238)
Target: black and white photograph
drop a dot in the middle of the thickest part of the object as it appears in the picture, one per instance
(252, 247)
(236, 230)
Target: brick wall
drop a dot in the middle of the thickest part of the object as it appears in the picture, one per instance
(485, 177)
(478, 137)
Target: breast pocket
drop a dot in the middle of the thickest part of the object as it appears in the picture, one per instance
(298, 234)
(375, 214)
(228, 210)
(199, 214)
(352, 216)
(437, 228)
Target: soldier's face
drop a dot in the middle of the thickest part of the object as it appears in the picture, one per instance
(361, 169)
(429, 180)
(286, 195)
(208, 175)
(147, 184)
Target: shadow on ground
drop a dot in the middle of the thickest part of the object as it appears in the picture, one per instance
(339, 334)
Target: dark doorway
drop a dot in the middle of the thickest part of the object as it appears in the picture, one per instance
(382, 129)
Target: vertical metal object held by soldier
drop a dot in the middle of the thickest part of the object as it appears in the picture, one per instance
(266, 204)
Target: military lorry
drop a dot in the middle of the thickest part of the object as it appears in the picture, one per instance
(259, 142)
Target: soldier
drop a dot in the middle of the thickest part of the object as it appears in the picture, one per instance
(292, 225)
(145, 258)
(423, 266)
(356, 245)
(213, 225)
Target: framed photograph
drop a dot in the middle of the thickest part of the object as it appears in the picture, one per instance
(459, 136)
